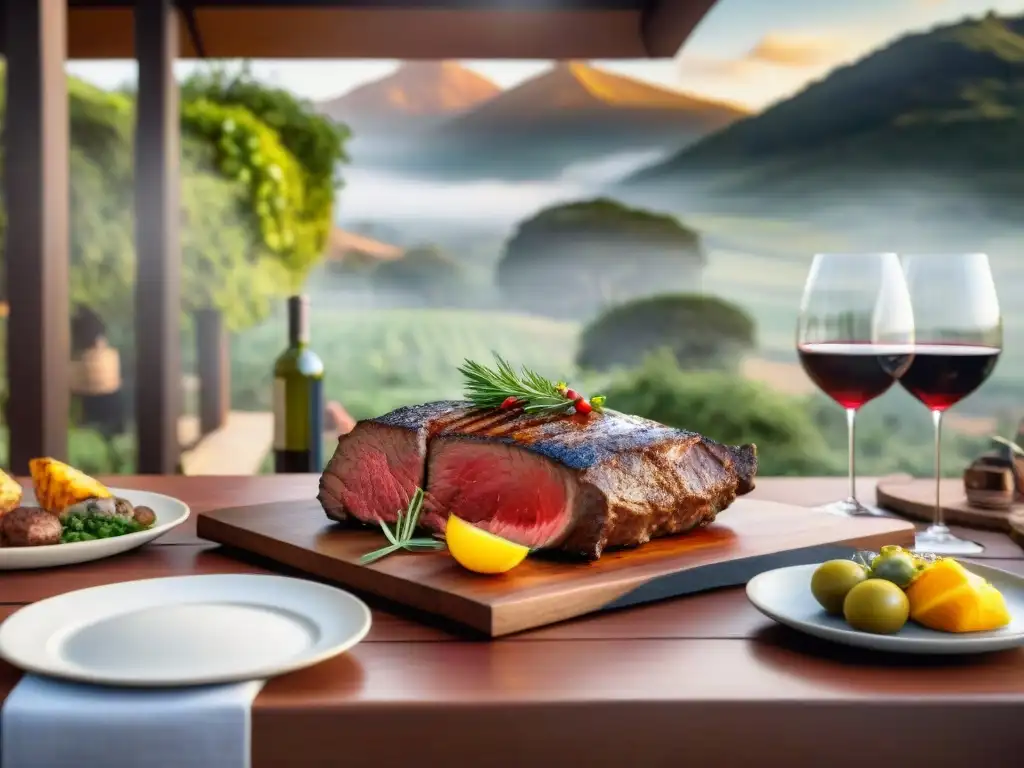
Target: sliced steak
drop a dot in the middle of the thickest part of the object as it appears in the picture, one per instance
(580, 484)
(380, 463)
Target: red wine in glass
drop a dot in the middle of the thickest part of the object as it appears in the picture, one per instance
(958, 335)
(853, 373)
(853, 337)
(941, 375)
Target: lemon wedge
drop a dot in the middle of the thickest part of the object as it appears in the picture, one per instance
(477, 550)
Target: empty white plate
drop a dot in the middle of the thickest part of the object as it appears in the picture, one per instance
(785, 595)
(170, 513)
(185, 630)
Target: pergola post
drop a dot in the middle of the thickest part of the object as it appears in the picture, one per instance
(157, 244)
(37, 199)
(214, 368)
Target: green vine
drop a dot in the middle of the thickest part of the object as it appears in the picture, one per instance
(315, 141)
(250, 153)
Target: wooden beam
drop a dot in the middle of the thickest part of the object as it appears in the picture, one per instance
(37, 199)
(188, 14)
(666, 24)
(463, 5)
(213, 363)
(321, 32)
(157, 244)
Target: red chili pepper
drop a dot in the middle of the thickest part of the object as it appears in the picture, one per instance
(571, 394)
(582, 406)
(510, 402)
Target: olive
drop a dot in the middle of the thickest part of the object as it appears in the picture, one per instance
(895, 564)
(877, 606)
(833, 580)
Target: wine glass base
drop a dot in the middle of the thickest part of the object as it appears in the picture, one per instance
(851, 508)
(939, 541)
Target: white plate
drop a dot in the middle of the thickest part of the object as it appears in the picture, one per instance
(170, 513)
(785, 595)
(184, 630)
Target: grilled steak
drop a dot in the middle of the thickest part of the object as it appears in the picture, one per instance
(579, 484)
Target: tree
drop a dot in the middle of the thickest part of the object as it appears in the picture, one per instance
(315, 141)
(424, 271)
(573, 260)
(702, 332)
(729, 409)
(251, 227)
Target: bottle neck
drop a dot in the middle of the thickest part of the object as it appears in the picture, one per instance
(298, 321)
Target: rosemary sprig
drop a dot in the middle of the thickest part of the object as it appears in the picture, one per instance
(401, 537)
(502, 387)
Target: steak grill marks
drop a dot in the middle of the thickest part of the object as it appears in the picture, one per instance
(574, 483)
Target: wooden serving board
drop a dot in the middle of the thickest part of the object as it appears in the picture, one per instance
(1016, 522)
(750, 537)
(915, 498)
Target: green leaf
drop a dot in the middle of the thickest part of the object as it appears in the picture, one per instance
(402, 537)
(387, 532)
(378, 554)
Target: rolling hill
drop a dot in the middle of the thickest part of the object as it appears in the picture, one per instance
(571, 113)
(934, 120)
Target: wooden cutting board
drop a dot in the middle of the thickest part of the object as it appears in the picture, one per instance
(915, 498)
(749, 537)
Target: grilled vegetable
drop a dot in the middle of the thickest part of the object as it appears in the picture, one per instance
(10, 493)
(58, 486)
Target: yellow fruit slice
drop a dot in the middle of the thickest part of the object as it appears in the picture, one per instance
(480, 551)
(949, 598)
(10, 493)
(58, 486)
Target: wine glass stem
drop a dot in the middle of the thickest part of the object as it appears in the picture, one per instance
(939, 521)
(851, 433)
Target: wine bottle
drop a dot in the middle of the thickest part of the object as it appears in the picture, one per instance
(298, 397)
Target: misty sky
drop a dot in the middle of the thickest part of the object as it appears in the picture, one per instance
(752, 52)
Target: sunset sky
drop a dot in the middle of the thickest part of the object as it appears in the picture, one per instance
(751, 52)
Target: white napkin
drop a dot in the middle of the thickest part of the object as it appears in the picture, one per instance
(47, 723)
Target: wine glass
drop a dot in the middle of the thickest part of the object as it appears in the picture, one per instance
(854, 336)
(958, 341)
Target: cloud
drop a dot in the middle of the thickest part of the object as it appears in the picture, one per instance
(785, 50)
(775, 50)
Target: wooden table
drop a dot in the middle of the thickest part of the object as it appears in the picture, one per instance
(702, 680)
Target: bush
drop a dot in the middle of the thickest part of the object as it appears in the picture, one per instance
(90, 452)
(315, 141)
(377, 360)
(425, 271)
(258, 178)
(894, 435)
(573, 260)
(728, 409)
(701, 332)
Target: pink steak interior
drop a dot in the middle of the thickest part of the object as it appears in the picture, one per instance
(379, 471)
(502, 489)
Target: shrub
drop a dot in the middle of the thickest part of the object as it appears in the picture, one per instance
(702, 332)
(315, 141)
(728, 409)
(572, 260)
(425, 271)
